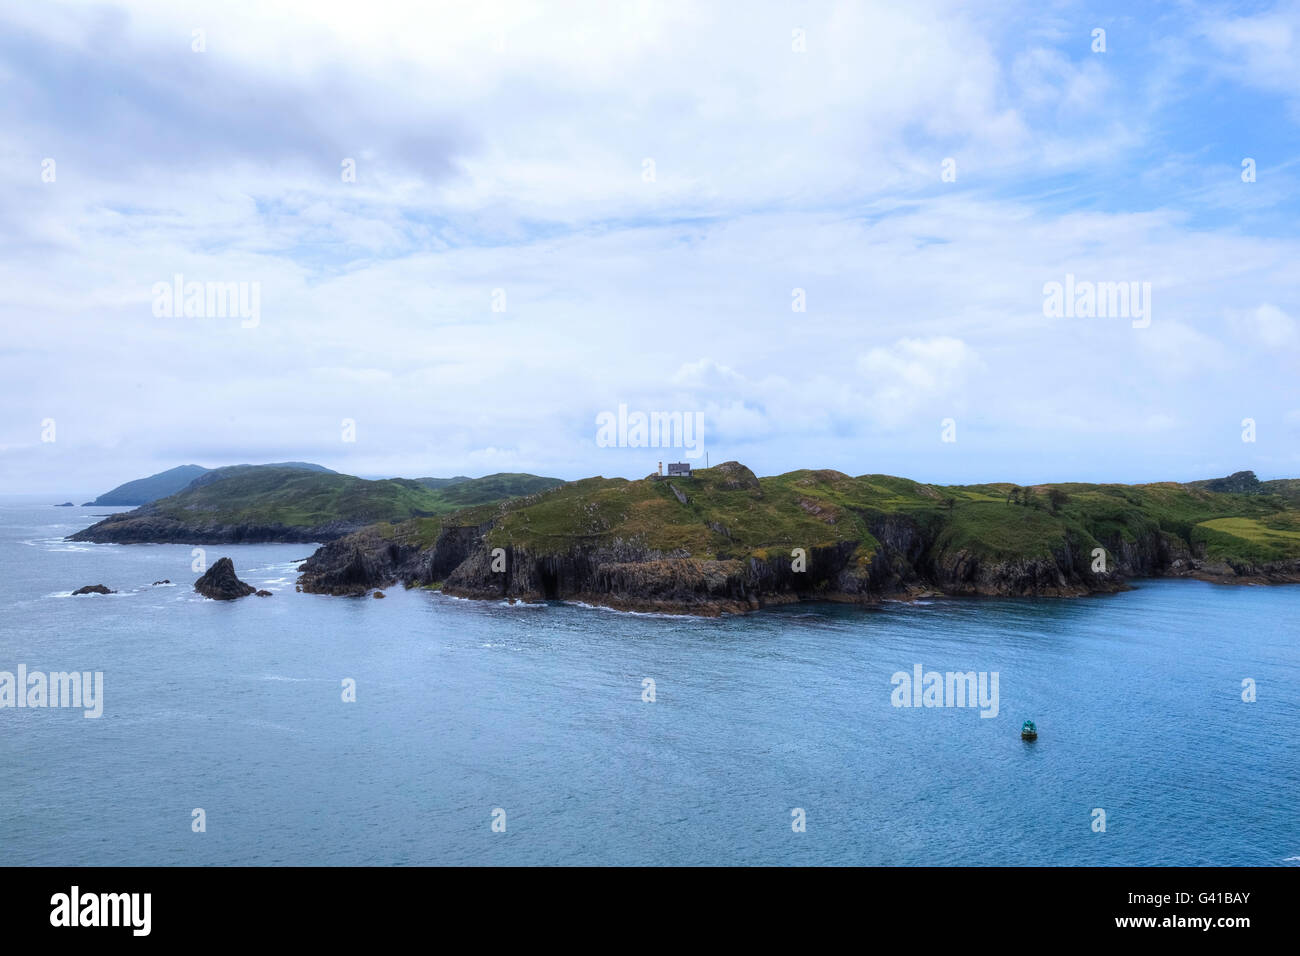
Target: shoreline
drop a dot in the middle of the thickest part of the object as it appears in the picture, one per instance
(710, 610)
(734, 606)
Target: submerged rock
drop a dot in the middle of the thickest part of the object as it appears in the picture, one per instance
(379, 594)
(263, 593)
(163, 581)
(94, 589)
(220, 583)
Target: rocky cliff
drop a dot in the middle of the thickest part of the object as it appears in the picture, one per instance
(724, 541)
(220, 582)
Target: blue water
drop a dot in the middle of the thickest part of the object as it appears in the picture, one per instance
(465, 707)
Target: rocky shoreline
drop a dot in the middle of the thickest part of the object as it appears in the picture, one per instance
(723, 541)
(622, 576)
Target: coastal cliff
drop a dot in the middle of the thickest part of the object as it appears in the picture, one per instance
(725, 541)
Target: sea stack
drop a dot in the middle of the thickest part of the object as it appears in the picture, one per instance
(220, 584)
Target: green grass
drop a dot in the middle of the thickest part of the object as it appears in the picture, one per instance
(1255, 539)
(418, 532)
(295, 498)
(1286, 488)
(730, 513)
(477, 491)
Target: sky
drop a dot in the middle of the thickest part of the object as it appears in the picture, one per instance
(825, 230)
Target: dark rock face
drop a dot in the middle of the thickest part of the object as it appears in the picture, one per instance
(628, 576)
(909, 562)
(353, 567)
(360, 562)
(94, 589)
(220, 583)
(1241, 482)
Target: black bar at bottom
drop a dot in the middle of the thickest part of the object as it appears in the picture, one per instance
(333, 905)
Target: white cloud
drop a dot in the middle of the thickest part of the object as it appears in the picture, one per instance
(915, 373)
(1267, 325)
(518, 166)
(1261, 50)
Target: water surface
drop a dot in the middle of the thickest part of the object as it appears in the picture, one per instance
(465, 707)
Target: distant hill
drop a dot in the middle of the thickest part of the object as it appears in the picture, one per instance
(462, 492)
(441, 482)
(228, 471)
(144, 490)
(246, 503)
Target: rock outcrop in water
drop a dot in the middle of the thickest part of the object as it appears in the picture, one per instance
(93, 589)
(220, 583)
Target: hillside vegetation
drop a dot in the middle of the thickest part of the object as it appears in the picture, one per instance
(725, 539)
(169, 482)
(729, 512)
(289, 504)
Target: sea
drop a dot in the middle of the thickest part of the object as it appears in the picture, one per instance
(422, 729)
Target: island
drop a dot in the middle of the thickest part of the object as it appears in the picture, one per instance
(722, 540)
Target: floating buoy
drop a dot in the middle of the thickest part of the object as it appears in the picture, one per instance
(1028, 731)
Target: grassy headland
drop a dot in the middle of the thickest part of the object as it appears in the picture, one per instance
(726, 540)
(289, 504)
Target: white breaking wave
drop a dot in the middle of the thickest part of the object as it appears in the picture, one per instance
(615, 610)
